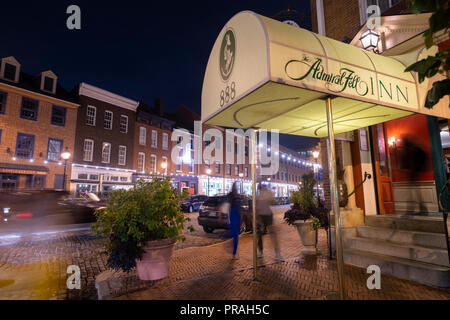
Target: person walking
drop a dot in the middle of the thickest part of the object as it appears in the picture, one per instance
(264, 200)
(235, 217)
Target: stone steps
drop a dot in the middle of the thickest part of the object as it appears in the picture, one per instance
(429, 255)
(415, 238)
(425, 273)
(406, 222)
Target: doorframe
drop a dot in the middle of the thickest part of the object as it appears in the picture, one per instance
(374, 168)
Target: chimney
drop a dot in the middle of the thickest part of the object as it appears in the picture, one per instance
(159, 107)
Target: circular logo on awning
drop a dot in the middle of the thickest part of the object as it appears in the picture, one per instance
(227, 54)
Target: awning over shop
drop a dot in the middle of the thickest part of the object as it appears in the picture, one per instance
(267, 74)
(22, 169)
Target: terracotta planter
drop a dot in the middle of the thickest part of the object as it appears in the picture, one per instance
(308, 236)
(154, 263)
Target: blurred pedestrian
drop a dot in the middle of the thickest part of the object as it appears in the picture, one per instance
(235, 217)
(264, 213)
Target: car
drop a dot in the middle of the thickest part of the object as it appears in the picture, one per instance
(214, 214)
(193, 203)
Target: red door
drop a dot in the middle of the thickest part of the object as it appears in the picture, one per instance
(383, 170)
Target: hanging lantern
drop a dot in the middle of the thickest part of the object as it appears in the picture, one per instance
(369, 40)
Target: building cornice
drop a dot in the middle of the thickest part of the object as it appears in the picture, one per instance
(108, 97)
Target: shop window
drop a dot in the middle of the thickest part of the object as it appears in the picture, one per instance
(82, 176)
(123, 179)
(114, 178)
(93, 177)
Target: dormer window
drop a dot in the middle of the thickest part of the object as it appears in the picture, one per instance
(48, 81)
(10, 72)
(9, 69)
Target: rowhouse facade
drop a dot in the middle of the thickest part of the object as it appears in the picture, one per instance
(103, 158)
(37, 124)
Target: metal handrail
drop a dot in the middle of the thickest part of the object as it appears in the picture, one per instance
(366, 176)
(445, 216)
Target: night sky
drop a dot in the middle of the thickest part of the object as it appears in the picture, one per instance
(141, 50)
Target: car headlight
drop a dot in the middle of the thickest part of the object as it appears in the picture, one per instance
(6, 210)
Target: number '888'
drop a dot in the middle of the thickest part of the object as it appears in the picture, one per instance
(228, 94)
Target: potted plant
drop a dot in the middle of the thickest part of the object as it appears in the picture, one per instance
(142, 225)
(306, 215)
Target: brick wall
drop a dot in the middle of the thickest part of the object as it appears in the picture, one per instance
(11, 124)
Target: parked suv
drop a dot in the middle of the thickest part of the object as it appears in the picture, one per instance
(193, 203)
(215, 214)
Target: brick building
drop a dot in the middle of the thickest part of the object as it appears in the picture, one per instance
(103, 157)
(152, 143)
(37, 123)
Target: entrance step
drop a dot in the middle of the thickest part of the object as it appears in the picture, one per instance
(406, 222)
(415, 238)
(429, 255)
(425, 273)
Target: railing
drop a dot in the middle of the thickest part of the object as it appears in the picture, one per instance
(366, 176)
(445, 216)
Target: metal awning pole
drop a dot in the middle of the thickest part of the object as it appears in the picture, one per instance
(253, 165)
(335, 199)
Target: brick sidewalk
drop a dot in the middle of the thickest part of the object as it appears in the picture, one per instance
(210, 273)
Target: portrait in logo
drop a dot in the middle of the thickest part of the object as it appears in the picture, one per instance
(227, 54)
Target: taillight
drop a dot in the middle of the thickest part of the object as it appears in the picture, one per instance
(24, 215)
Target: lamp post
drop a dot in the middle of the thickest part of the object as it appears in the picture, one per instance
(65, 155)
(208, 172)
(316, 157)
(164, 166)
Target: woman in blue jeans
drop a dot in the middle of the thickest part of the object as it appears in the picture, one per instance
(235, 217)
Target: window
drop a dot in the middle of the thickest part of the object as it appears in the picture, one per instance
(58, 116)
(91, 112)
(236, 170)
(153, 164)
(191, 166)
(207, 163)
(3, 96)
(141, 162)
(0, 135)
(88, 149)
(180, 161)
(217, 142)
(25, 146)
(192, 144)
(246, 171)
(106, 152)
(229, 169)
(82, 176)
(122, 155)
(217, 167)
(123, 179)
(123, 124)
(114, 178)
(207, 139)
(154, 139)
(29, 109)
(93, 177)
(246, 151)
(164, 160)
(48, 84)
(10, 72)
(228, 146)
(165, 141)
(142, 136)
(107, 122)
(54, 149)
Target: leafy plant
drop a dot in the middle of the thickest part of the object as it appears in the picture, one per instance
(439, 63)
(147, 212)
(304, 205)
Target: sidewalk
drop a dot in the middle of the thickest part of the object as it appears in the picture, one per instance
(209, 273)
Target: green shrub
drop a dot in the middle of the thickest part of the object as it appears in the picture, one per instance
(147, 212)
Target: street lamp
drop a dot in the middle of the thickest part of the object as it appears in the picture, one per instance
(65, 155)
(164, 166)
(208, 172)
(316, 157)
